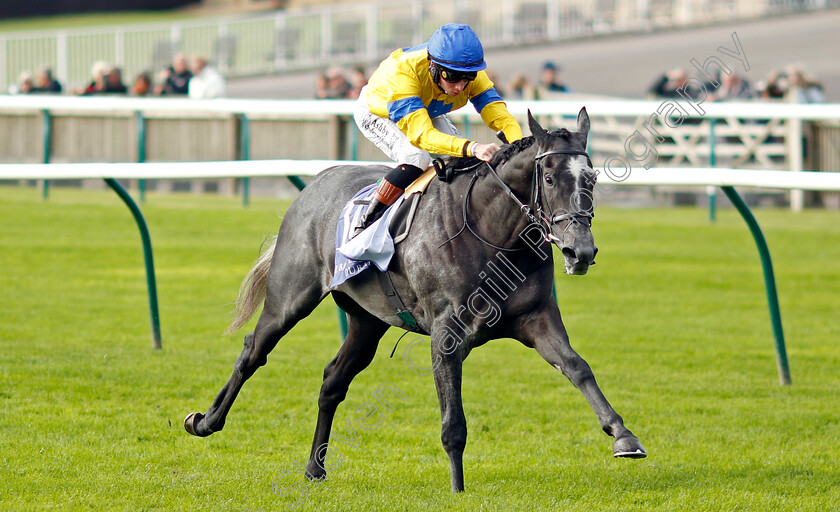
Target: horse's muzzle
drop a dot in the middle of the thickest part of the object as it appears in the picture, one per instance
(578, 259)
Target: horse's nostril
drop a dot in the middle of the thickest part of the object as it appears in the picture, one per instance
(581, 254)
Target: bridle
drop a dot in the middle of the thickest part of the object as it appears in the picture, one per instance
(535, 211)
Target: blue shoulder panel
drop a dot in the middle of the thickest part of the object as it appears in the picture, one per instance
(488, 96)
(438, 108)
(401, 108)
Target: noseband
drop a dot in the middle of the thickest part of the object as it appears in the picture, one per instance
(534, 210)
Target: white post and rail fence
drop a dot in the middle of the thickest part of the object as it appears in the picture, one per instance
(666, 133)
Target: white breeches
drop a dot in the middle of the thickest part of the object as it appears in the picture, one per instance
(393, 142)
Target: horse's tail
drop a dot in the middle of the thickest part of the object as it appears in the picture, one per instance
(252, 291)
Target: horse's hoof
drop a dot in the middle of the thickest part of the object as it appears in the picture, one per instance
(316, 475)
(629, 448)
(190, 422)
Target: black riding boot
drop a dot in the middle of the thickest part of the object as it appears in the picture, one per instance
(374, 210)
(389, 190)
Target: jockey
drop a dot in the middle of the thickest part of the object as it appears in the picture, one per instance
(403, 109)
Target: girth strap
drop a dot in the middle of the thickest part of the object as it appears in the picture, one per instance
(393, 299)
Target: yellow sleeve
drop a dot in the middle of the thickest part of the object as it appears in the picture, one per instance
(418, 127)
(492, 108)
(497, 117)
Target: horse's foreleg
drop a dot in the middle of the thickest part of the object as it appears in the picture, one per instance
(255, 349)
(448, 352)
(546, 333)
(363, 334)
(275, 321)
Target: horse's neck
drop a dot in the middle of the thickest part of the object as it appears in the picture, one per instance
(497, 214)
(518, 173)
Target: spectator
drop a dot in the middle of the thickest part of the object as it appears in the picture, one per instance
(142, 85)
(322, 84)
(805, 89)
(732, 87)
(25, 84)
(669, 84)
(45, 83)
(206, 82)
(519, 88)
(776, 86)
(176, 78)
(97, 85)
(114, 83)
(337, 87)
(549, 79)
(357, 80)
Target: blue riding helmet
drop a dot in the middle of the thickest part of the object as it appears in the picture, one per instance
(457, 47)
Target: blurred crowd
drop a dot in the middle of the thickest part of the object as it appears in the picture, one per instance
(194, 79)
(335, 84)
(790, 84)
(197, 78)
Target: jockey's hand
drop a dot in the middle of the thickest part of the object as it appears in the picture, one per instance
(486, 151)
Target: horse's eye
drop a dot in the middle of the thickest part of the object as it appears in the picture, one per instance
(548, 180)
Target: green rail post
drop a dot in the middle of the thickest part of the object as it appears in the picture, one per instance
(297, 182)
(342, 323)
(769, 283)
(46, 136)
(245, 154)
(712, 163)
(354, 140)
(147, 255)
(140, 126)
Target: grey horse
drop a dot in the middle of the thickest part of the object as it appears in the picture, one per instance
(476, 267)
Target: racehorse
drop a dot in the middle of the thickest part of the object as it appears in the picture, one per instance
(476, 267)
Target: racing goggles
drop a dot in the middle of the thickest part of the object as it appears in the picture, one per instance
(453, 77)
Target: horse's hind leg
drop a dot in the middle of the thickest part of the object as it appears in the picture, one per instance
(363, 334)
(546, 333)
(285, 306)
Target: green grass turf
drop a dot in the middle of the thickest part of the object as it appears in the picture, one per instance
(673, 321)
(63, 21)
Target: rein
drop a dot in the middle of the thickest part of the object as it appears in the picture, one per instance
(535, 211)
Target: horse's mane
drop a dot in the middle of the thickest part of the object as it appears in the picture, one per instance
(506, 153)
(508, 150)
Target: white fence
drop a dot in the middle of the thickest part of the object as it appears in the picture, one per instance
(304, 39)
(665, 176)
(742, 135)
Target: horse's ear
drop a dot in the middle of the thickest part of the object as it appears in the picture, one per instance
(583, 122)
(537, 130)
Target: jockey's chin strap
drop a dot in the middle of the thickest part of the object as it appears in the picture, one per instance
(534, 211)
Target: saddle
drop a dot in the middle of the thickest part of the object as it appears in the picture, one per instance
(398, 227)
(402, 219)
(445, 171)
